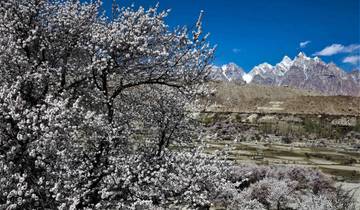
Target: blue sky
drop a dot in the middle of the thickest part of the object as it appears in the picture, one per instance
(249, 32)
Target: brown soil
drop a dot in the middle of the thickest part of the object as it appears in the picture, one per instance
(232, 97)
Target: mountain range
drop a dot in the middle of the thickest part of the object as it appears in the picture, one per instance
(302, 72)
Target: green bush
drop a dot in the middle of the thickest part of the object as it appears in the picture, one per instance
(312, 126)
(357, 126)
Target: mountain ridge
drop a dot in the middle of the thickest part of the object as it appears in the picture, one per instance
(302, 72)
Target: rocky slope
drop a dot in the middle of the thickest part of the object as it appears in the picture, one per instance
(229, 72)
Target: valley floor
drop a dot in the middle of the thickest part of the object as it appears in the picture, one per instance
(330, 161)
(327, 142)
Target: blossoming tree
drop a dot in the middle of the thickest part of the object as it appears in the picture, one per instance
(89, 106)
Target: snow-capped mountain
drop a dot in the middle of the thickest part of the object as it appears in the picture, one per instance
(229, 72)
(301, 72)
(355, 74)
(282, 67)
(276, 73)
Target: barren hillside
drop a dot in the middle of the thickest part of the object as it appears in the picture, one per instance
(232, 97)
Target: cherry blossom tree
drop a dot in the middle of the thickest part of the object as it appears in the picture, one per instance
(77, 86)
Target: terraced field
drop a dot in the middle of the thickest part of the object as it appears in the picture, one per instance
(342, 165)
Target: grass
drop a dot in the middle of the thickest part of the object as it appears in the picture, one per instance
(347, 175)
(207, 119)
(341, 159)
(271, 154)
(310, 126)
(274, 153)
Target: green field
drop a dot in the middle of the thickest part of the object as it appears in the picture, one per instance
(344, 166)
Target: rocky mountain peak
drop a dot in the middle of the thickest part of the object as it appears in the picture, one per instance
(286, 60)
(228, 72)
(284, 65)
(301, 72)
(317, 59)
(302, 55)
(262, 68)
(230, 66)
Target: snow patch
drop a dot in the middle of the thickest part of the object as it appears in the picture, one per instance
(247, 78)
(286, 62)
(317, 59)
(303, 55)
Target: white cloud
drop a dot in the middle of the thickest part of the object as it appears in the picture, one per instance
(236, 50)
(336, 49)
(354, 59)
(304, 44)
(331, 50)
